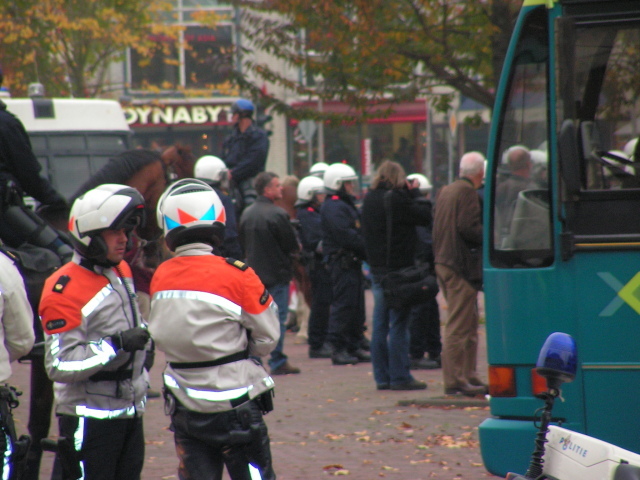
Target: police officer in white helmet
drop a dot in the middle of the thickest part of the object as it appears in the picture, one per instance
(210, 315)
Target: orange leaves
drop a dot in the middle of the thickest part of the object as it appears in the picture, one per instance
(465, 440)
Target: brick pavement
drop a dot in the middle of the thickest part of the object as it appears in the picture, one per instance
(331, 421)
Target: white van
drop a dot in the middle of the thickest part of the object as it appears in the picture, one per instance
(72, 137)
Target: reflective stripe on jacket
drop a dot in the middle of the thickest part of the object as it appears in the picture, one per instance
(80, 309)
(203, 308)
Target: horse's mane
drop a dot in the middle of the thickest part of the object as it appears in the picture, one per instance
(119, 169)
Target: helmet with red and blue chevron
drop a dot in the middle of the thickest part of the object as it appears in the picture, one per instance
(190, 211)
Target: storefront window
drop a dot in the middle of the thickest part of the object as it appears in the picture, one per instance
(208, 60)
(158, 69)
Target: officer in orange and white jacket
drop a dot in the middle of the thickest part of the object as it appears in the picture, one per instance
(95, 339)
(212, 317)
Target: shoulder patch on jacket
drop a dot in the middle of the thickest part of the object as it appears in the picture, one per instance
(237, 263)
(56, 324)
(264, 297)
(62, 282)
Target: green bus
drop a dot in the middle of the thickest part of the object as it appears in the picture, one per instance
(562, 224)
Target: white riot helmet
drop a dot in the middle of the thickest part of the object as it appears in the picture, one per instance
(318, 169)
(338, 173)
(630, 148)
(423, 182)
(106, 207)
(308, 187)
(210, 168)
(190, 211)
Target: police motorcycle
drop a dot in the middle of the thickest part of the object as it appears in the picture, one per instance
(562, 454)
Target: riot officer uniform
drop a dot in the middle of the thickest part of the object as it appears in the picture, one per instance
(244, 152)
(344, 251)
(310, 189)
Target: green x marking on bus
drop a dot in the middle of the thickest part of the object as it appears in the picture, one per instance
(629, 293)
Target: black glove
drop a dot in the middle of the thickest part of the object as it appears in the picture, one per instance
(131, 340)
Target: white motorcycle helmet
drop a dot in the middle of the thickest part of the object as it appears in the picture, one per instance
(318, 169)
(190, 211)
(308, 187)
(210, 168)
(338, 173)
(423, 182)
(106, 207)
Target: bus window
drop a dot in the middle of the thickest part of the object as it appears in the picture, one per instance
(98, 161)
(38, 143)
(521, 214)
(67, 143)
(68, 173)
(111, 143)
(601, 101)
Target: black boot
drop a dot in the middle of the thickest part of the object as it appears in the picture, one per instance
(343, 358)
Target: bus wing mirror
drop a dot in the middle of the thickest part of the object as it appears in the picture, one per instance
(569, 156)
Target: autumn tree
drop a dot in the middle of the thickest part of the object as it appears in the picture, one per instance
(68, 45)
(380, 49)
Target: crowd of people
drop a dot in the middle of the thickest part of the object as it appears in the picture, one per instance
(238, 238)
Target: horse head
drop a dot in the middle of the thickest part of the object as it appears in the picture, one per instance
(179, 161)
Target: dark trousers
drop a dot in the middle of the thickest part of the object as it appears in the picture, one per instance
(109, 449)
(347, 317)
(320, 305)
(40, 406)
(237, 439)
(424, 330)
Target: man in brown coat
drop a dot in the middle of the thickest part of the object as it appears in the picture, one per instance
(457, 244)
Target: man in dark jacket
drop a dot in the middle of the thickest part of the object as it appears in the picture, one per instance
(245, 151)
(457, 241)
(269, 241)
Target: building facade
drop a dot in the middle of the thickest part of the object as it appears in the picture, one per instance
(184, 95)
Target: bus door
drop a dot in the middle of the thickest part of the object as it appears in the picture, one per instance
(598, 120)
(562, 224)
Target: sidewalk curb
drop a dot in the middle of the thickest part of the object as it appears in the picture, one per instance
(446, 401)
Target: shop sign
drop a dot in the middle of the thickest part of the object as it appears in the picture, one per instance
(156, 115)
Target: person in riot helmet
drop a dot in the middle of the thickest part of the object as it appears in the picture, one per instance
(16, 340)
(210, 315)
(212, 170)
(245, 151)
(424, 326)
(344, 251)
(96, 339)
(318, 169)
(311, 195)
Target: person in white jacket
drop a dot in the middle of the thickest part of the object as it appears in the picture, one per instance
(16, 340)
(212, 317)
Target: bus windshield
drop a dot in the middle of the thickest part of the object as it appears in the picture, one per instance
(521, 219)
(597, 79)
